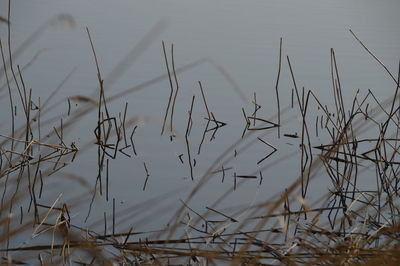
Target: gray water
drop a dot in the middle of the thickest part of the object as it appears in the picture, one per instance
(240, 36)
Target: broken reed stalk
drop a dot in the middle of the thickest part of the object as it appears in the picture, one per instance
(276, 87)
(303, 109)
(188, 126)
(375, 57)
(204, 100)
(171, 88)
(147, 176)
(103, 131)
(176, 86)
(269, 154)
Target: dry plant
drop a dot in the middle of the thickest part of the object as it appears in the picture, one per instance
(348, 225)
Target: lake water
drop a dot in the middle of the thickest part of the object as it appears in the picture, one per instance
(239, 37)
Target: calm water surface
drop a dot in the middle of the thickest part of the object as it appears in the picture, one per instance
(242, 37)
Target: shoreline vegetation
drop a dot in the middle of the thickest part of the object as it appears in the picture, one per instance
(348, 225)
